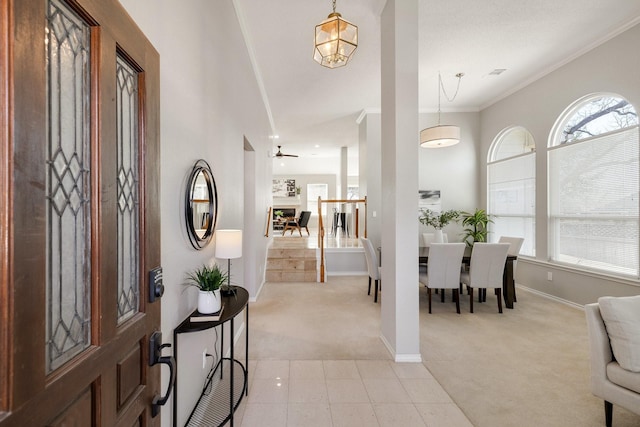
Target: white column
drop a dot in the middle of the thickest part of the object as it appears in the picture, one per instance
(344, 174)
(369, 169)
(400, 145)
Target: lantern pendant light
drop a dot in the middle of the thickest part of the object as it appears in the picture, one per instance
(335, 41)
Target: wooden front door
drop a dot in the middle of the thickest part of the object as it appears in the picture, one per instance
(79, 215)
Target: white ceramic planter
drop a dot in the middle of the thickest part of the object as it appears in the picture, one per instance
(208, 302)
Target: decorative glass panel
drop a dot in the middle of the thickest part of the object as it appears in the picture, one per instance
(128, 219)
(597, 116)
(68, 185)
(510, 143)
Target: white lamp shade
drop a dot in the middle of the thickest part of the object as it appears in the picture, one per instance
(228, 244)
(439, 136)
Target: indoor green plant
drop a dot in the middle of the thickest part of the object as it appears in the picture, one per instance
(476, 223)
(208, 280)
(438, 220)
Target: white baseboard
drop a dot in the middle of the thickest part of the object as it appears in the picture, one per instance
(347, 273)
(551, 297)
(391, 350)
(255, 298)
(409, 358)
(400, 358)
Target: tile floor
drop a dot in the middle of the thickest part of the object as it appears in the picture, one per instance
(349, 393)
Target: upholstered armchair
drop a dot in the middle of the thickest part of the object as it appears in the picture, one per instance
(609, 380)
(299, 223)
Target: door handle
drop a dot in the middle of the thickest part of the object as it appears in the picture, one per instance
(155, 357)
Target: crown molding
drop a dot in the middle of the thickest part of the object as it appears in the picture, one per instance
(616, 32)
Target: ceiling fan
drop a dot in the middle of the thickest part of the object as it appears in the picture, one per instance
(280, 154)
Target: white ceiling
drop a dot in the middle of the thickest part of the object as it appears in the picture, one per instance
(311, 105)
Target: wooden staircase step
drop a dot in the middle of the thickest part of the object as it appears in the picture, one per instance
(291, 265)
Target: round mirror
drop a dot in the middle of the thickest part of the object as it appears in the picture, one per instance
(201, 205)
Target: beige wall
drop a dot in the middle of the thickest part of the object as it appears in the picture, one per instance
(302, 180)
(459, 172)
(210, 103)
(611, 67)
(453, 170)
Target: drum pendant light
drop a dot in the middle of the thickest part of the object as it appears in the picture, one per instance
(441, 135)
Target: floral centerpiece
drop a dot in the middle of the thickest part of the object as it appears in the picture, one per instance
(438, 220)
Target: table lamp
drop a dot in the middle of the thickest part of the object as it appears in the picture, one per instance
(228, 246)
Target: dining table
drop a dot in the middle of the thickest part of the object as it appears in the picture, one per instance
(508, 281)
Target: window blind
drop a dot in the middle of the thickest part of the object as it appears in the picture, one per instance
(593, 202)
(511, 199)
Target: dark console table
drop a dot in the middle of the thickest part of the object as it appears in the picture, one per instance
(228, 380)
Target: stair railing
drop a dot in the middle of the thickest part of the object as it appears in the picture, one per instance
(321, 230)
(321, 239)
(269, 222)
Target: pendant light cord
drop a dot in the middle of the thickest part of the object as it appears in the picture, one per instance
(440, 81)
(459, 76)
(334, 6)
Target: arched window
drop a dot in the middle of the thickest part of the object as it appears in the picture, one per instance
(511, 186)
(594, 178)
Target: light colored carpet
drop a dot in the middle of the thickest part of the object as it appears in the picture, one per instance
(333, 320)
(526, 367)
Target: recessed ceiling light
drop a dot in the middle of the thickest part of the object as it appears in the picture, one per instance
(282, 164)
(274, 136)
(317, 145)
(497, 71)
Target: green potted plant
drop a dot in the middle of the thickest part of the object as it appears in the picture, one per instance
(476, 226)
(208, 280)
(438, 220)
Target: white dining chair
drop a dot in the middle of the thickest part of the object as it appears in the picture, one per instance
(515, 244)
(485, 270)
(443, 270)
(514, 249)
(372, 266)
(429, 238)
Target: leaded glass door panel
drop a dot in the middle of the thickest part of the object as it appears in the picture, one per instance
(79, 215)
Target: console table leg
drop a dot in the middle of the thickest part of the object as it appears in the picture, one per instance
(231, 393)
(246, 349)
(221, 348)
